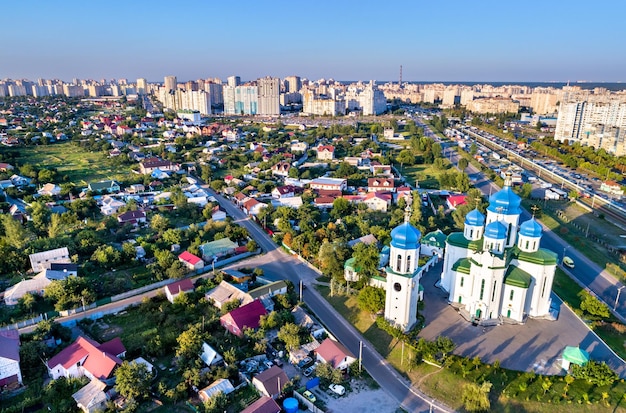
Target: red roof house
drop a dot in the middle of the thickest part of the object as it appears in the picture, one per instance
(173, 290)
(455, 201)
(132, 217)
(335, 354)
(191, 261)
(87, 357)
(263, 405)
(247, 316)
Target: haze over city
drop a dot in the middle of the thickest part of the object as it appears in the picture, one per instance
(348, 40)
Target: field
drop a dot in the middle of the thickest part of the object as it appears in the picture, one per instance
(80, 165)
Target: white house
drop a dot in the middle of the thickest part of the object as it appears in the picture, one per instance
(42, 260)
(335, 354)
(50, 189)
(110, 206)
(10, 358)
(179, 287)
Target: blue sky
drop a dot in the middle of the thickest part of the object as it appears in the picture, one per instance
(463, 40)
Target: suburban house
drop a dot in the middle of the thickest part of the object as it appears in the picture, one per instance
(281, 169)
(378, 201)
(42, 260)
(285, 191)
(368, 239)
(270, 382)
(179, 287)
(263, 405)
(332, 184)
(325, 152)
(217, 214)
(247, 316)
(611, 187)
(380, 185)
(253, 207)
(38, 283)
(297, 146)
(149, 165)
(210, 356)
(269, 290)
(110, 205)
(217, 248)
(91, 398)
(50, 189)
(191, 261)
(10, 372)
(104, 186)
(454, 201)
(220, 385)
(335, 354)
(132, 217)
(86, 357)
(226, 292)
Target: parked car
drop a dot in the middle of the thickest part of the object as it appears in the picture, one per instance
(308, 371)
(304, 362)
(268, 363)
(278, 362)
(338, 389)
(309, 396)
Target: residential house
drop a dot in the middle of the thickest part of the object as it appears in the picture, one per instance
(86, 357)
(221, 385)
(191, 261)
(247, 316)
(324, 201)
(5, 167)
(10, 372)
(285, 191)
(404, 192)
(50, 189)
(368, 239)
(18, 213)
(210, 356)
(332, 184)
(454, 201)
(239, 198)
(253, 207)
(325, 152)
(378, 201)
(377, 169)
(132, 217)
(136, 189)
(299, 147)
(226, 292)
(37, 284)
(293, 202)
(42, 260)
(20, 181)
(380, 185)
(179, 287)
(91, 398)
(217, 248)
(270, 382)
(335, 354)
(110, 187)
(110, 205)
(149, 165)
(281, 169)
(266, 292)
(611, 187)
(263, 405)
(218, 215)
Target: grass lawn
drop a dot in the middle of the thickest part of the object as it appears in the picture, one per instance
(79, 165)
(425, 175)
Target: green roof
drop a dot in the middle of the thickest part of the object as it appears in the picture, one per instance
(575, 355)
(463, 265)
(217, 247)
(266, 289)
(517, 277)
(458, 240)
(351, 265)
(435, 239)
(541, 256)
(102, 185)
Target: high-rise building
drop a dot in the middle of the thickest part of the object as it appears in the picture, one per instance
(229, 100)
(234, 81)
(269, 96)
(142, 86)
(292, 84)
(171, 84)
(246, 100)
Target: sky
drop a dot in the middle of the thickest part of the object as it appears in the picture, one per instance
(486, 41)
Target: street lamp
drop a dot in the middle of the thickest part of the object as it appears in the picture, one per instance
(619, 290)
(564, 249)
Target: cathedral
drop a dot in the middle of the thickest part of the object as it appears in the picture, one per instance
(494, 271)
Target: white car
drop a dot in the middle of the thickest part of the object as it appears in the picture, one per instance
(338, 389)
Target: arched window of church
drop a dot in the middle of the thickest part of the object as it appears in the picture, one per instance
(509, 234)
(493, 292)
(511, 295)
(408, 263)
(482, 289)
(527, 242)
(534, 245)
(398, 262)
(471, 233)
(543, 289)
(462, 281)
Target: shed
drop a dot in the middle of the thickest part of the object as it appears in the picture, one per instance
(574, 355)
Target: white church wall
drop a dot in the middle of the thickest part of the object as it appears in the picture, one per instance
(513, 299)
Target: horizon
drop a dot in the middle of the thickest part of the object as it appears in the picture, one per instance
(362, 40)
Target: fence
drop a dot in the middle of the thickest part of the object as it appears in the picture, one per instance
(143, 289)
(22, 324)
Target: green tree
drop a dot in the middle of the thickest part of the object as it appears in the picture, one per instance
(71, 292)
(475, 398)
(405, 157)
(526, 190)
(371, 299)
(159, 223)
(367, 258)
(596, 373)
(341, 208)
(290, 335)
(189, 343)
(106, 256)
(592, 306)
(40, 216)
(15, 234)
(330, 262)
(216, 404)
(132, 380)
(463, 164)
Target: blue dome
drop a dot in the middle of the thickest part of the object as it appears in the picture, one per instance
(505, 201)
(475, 218)
(405, 236)
(531, 228)
(495, 230)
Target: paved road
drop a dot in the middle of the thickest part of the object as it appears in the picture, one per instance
(279, 265)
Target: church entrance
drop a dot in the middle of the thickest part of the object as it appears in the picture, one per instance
(508, 313)
(478, 313)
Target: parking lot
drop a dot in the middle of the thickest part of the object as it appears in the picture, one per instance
(360, 398)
